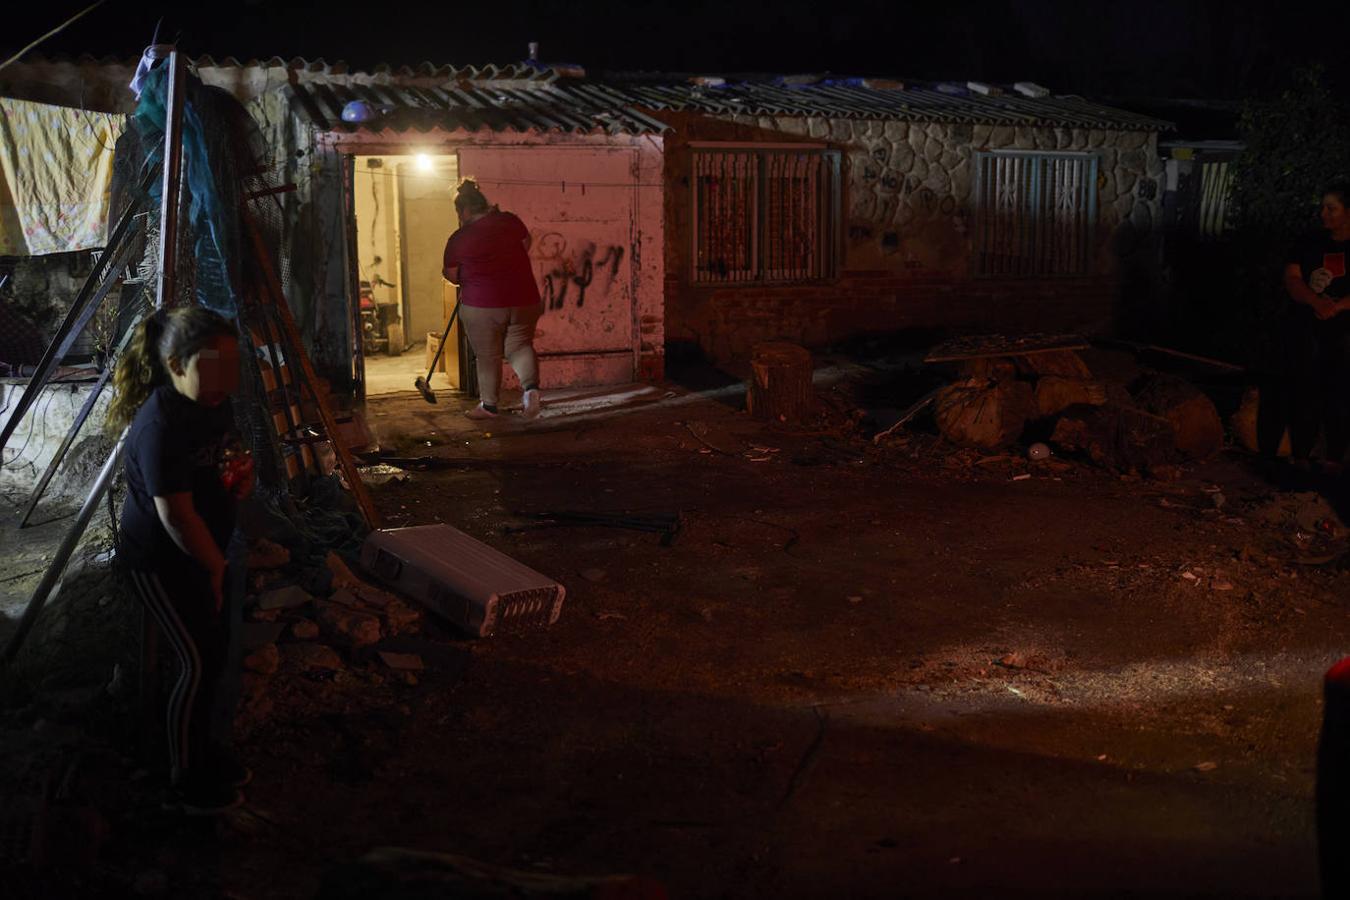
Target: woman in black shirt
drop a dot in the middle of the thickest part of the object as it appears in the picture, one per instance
(1315, 391)
(173, 383)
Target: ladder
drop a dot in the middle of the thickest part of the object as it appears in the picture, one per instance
(288, 382)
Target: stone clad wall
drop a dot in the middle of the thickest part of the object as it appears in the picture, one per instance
(908, 219)
(909, 185)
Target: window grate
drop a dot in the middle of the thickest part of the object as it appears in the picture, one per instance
(765, 215)
(1036, 213)
(1216, 182)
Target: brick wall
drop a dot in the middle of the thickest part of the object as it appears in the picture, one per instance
(726, 323)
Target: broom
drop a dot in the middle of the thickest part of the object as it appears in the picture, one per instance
(423, 385)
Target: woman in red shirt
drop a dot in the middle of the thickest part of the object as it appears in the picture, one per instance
(488, 257)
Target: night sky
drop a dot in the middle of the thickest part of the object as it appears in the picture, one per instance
(1147, 48)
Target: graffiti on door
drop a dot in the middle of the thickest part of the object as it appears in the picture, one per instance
(570, 272)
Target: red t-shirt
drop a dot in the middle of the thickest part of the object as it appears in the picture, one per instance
(494, 267)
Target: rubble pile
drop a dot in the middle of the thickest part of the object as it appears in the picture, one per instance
(316, 622)
(1154, 422)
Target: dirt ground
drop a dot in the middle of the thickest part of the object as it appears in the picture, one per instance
(859, 670)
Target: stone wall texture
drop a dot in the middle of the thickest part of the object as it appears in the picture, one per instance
(907, 217)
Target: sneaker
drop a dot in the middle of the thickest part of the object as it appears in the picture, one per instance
(480, 412)
(531, 406)
(207, 799)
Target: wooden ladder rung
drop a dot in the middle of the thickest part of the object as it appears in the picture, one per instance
(269, 192)
(305, 440)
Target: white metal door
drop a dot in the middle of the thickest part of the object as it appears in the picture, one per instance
(426, 220)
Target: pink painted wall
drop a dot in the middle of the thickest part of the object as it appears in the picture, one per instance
(594, 206)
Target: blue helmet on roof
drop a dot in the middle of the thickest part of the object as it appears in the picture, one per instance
(358, 111)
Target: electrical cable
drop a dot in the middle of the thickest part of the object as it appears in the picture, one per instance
(59, 28)
(33, 415)
(561, 182)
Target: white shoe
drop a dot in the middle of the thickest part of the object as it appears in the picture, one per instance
(480, 412)
(531, 405)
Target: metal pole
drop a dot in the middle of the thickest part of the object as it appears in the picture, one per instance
(169, 195)
(353, 278)
(58, 565)
(80, 419)
(74, 430)
(94, 289)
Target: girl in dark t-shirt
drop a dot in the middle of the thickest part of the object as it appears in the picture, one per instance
(1310, 397)
(172, 387)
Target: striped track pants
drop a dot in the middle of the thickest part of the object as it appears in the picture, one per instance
(182, 607)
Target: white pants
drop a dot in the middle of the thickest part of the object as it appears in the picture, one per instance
(506, 331)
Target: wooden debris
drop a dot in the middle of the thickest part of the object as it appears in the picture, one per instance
(1244, 426)
(314, 656)
(288, 597)
(402, 661)
(264, 661)
(977, 414)
(1056, 393)
(1197, 429)
(1115, 437)
(996, 368)
(1062, 363)
(913, 410)
(990, 345)
(264, 554)
(349, 626)
(400, 872)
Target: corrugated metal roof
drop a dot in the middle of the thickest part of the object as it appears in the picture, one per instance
(496, 104)
(511, 71)
(511, 97)
(858, 98)
(529, 97)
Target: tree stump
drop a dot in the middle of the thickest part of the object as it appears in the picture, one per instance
(780, 383)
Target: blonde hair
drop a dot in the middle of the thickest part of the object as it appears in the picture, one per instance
(176, 333)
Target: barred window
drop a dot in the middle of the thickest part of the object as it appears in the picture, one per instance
(1211, 207)
(1036, 213)
(765, 214)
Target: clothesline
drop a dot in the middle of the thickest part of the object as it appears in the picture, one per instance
(564, 183)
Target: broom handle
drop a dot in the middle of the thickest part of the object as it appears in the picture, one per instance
(440, 348)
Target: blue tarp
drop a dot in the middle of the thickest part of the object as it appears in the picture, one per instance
(209, 175)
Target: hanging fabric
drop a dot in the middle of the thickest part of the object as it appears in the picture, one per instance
(56, 167)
